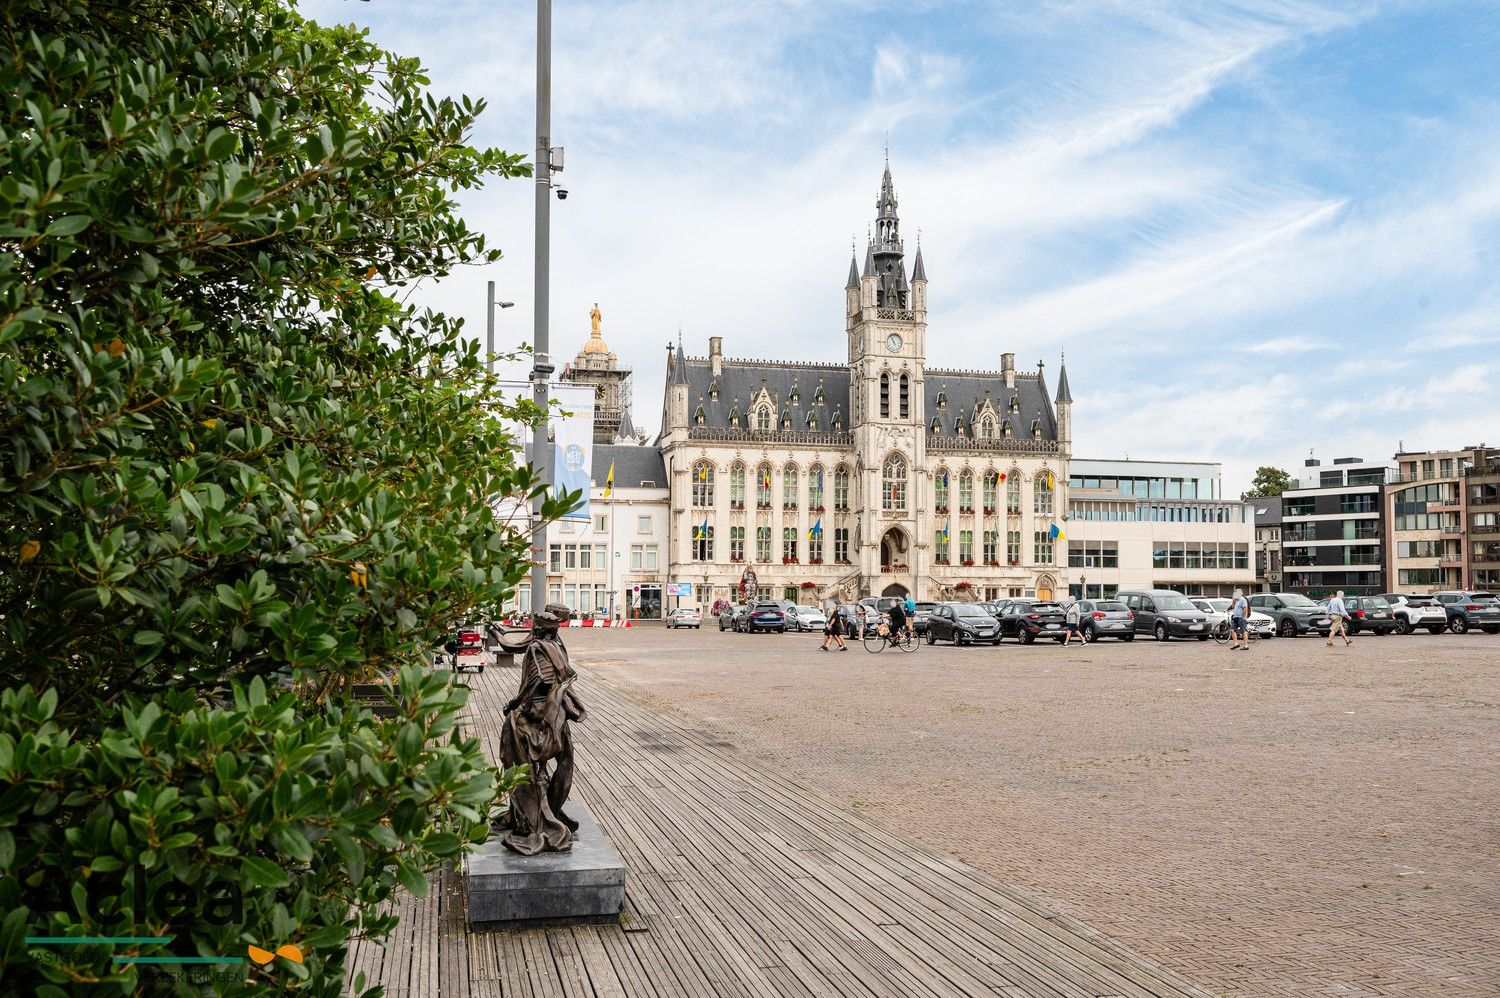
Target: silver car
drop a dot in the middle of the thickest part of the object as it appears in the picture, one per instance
(1105, 618)
(805, 618)
(1217, 609)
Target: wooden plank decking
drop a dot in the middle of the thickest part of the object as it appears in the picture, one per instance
(743, 883)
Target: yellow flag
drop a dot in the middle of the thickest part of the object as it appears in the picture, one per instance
(609, 483)
(1049, 481)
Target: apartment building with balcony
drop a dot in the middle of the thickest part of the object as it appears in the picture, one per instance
(1332, 528)
(1481, 511)
(1428, 540)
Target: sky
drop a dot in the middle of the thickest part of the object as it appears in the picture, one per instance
(1257, 230)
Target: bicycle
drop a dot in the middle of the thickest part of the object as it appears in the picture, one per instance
(880, 636)
(1221, 632)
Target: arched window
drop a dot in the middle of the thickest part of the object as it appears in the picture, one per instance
(893, 484)
(763, 487)
(841, 488)
(987, 427)
(762, 543)
(703, 485)
(991, 490)
(703, 542)
(737, 486)
(789, 487)
(815, 487)
(905, 397)
(966, 491)
(763, 417)
(885, 396)
(940, 490)
(1041, 494)
(1013, 492)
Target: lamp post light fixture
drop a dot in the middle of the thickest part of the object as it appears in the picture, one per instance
(489, 326)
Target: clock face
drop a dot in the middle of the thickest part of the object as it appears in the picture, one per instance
(893, 341)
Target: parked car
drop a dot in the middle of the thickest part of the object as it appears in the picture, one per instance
(1368, 613)
(876, 605)
(1293, 613)
(963, 624)
(992, 607)
(1165, 613)
(1413, 610)
(922, 616)
(764, 617)
(805, 618)
(856, 619)
(1471, 609)
(685, 616)
(1028, 619)
(1105, 618)
(729, 617)
(1217, 609)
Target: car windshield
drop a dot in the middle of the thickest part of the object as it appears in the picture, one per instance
(928, 607)
(1174, 603)
(970, 611)
(1108, 607)
(1376, 603)
(1297, 599)
(1483, 597)
(807, 609)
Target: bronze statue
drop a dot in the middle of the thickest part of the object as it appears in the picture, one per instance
(536, 732)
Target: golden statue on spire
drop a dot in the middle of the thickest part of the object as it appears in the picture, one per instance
(594, 316)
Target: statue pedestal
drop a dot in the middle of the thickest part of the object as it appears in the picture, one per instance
(587, 884)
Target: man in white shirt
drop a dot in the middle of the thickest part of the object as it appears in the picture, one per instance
(1336, 615)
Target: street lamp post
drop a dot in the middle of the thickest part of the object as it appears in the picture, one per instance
(489, 327)
(542, 367)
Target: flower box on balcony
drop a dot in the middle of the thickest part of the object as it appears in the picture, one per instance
(964, 586)
(966, 509)
(968, 563)
(736, 560)
(1015, 561)
(940, 508)
(817, 509)
(815, 561)
(788, 506)
(940, 561)
(762, 505)
(809, 585)
(989, 511)
(992, 564)
(733, 504)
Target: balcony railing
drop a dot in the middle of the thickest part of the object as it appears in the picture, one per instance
(1020, 445)
(817, 438)
(899, 314)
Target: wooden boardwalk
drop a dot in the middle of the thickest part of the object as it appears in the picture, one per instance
(743, 883)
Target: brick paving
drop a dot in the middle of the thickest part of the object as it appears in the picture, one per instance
(1295, 820)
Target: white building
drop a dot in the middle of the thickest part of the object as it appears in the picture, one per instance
(1157, 525)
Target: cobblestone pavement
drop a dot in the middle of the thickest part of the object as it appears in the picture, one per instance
(1293, 820)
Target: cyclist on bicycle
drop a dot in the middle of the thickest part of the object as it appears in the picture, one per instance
(900, 622)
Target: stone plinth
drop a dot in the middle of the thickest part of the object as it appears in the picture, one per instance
(584, 885)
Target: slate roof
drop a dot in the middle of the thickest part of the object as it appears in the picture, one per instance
(634, 465)
(1267, 511)
(741, 380)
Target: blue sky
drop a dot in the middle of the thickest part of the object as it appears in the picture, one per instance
(1255, 227)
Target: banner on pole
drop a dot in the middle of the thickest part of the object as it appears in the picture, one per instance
(571, 461)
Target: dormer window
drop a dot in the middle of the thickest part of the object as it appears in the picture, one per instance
(838, 419)
(958, 426)
(796, 395)
(1006, 429)
(1036, 427)
(700, 417)
(713, 389)
(942, 400)
(1015, 403)
(937, 426)
(987, 428)
(812, 421)
(818, 396)
(786, 419)
(734, 417)
(763, 417)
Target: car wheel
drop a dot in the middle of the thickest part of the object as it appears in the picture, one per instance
(1027, 637)
(931, 637)
(1089, 635)
(1288, 629)
(1161, 632)
(1403, 626)
(1460, 625)
(1492, 630)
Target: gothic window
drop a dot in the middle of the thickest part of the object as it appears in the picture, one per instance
(763, 487)
(940, 547)
(1042, 549)
(1013, 492)
(815, 546)
(966, 491)
(1041, 494)
(991, 547)
(893, 484)
(703, 543)
(991, 488)
(763, 543)
(1013, 546)
(940, 490)
(841, 488)
(703, 485)
(737, 486)
(905, 397)
(788, 543)
(763, 417)
(789, 487)
(736, 543)
(966, 545)
(841, 545)
(815, 487)
(885, 396)
(987, 428)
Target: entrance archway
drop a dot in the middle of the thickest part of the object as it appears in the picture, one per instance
(893, 547)
(1044, 587)
(895, 589)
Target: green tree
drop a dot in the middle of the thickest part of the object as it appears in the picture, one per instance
(237, 474)
(1267, 482)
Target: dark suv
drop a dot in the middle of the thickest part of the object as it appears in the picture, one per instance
(1293, 613)
(1029, 619)
(1165, 613)
(764, 617)
(1369, 613)
(1469, 609)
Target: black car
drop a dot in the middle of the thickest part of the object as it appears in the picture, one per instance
(1368, 613)
(1029, 619)
(963, 624)
(1166, 614)
(1105, 618)
(1471, 609)
(763, 617)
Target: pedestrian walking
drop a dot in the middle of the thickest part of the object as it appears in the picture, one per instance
(1336, 616)
(1072, 619)
(1239, 622)
(833, 631)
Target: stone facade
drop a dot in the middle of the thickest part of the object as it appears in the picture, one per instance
(875, 475)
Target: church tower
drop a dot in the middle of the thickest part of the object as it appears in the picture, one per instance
(887, 333)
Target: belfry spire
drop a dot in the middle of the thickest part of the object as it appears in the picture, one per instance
(887, 251)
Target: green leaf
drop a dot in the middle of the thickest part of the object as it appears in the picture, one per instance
(69, 225)
(263, 872)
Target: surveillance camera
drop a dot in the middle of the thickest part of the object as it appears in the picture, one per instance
(562, 193)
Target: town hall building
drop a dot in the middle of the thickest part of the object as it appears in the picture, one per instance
(874, 475)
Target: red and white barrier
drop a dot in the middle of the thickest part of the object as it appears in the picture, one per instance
(586, 622)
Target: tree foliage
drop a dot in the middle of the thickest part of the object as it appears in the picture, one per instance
(236, 473)
(1268, 482)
